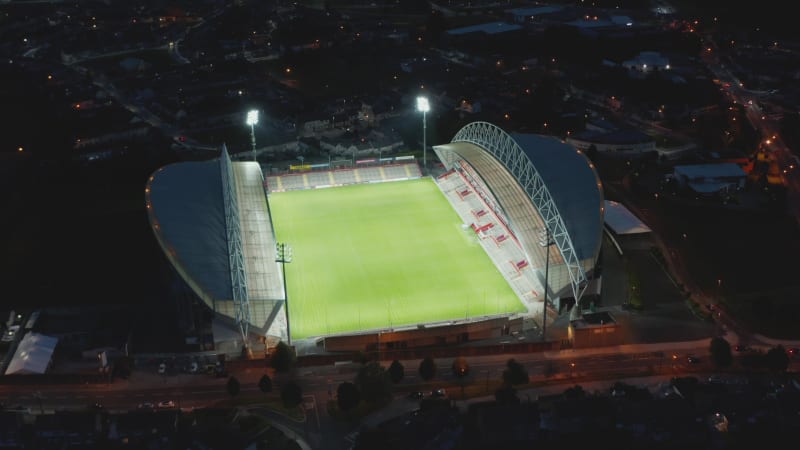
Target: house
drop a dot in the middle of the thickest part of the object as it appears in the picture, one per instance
(710, 179)
(647, 62)
(615, 142)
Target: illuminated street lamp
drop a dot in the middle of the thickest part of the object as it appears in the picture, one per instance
(423, 106)
(252, 120)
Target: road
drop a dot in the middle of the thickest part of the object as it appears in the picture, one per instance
(589, 367)
(767, 127)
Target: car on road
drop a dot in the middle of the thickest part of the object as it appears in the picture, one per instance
(416, 395)
(692, 359)
(9, 335)
(438, 393)
(145, 405)
(162, 368)
(166, 404)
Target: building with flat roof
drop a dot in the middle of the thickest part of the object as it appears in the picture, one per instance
(710, 179)
(597, 329)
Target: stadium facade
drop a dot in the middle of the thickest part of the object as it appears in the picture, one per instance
(212, 220)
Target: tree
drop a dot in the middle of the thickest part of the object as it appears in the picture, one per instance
(291, 394)
(282, 358)
(396, 371)
(515, 373)
(347, 396)
(233, 386)
(265, 384)
(427, 368)
(777, 359)
(720, 351)
(373, 382)
(574, 392)
(506, 395)
(634, 290)
(460, 367)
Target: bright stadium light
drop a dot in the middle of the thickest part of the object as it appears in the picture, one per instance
(423, 106)
(252, 120)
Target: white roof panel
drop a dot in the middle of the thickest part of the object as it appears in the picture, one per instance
(33, 354)
(622, 221)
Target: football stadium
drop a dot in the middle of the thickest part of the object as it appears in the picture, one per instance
(374, 253)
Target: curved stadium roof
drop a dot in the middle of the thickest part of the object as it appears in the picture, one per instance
(536, 180)
(186, 209)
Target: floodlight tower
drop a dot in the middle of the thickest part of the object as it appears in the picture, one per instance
(423, 106)
(545, 240)
(283, 255)
(252, 120)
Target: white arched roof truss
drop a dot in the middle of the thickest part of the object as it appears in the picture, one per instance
(510, 155)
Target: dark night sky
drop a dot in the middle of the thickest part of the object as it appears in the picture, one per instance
(71, 234)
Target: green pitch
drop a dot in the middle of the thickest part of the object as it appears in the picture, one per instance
(382, 255)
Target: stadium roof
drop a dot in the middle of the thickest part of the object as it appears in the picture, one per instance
(573, 184)
(33, 354)
(211, 219)
(187, 211)
(622, 221)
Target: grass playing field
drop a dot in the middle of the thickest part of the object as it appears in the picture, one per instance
(382, 255)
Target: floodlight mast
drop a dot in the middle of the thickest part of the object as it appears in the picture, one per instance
(423, 106)
(252, 120)
(283, 256)
(547, 242)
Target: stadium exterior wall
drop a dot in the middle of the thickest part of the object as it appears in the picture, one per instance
(424, 336)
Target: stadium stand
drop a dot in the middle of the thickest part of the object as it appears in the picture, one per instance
(491, 231)
(341, 177)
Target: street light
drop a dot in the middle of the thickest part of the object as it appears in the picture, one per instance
(252, 120)
(423, 106)
(283, 255)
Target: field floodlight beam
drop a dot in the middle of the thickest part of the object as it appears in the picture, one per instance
(252, 120)
(283, 255)
(423, 106)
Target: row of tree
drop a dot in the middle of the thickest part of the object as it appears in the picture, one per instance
(776, 359)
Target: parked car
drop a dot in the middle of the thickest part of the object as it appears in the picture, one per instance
(145, 405)
(162, 368)
(166, 404)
